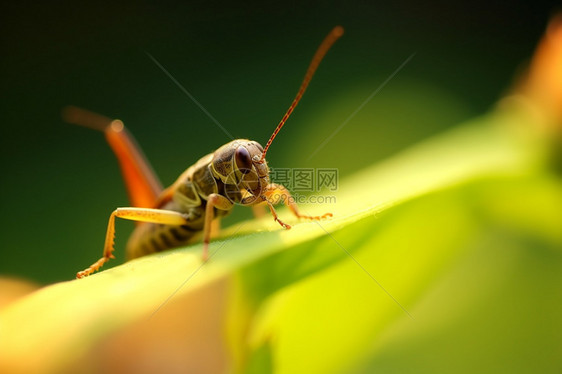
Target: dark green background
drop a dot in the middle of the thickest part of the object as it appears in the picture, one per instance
(244, 63)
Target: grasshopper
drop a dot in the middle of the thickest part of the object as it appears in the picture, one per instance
(236, 173)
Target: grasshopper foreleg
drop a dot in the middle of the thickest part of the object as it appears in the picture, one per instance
(167, 217)
(213, 201)
(276, 193)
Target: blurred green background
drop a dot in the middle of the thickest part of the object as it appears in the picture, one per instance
(244, 63)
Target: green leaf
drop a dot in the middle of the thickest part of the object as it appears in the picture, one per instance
(337, 295)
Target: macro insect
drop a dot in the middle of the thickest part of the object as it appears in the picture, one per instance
(236, 173)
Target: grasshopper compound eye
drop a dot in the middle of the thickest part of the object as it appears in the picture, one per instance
(243, 160)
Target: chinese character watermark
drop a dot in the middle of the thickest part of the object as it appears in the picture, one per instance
(306, 179)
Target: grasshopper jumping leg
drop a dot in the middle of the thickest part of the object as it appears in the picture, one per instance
(166, 217)
(143, 186)
(275, 193)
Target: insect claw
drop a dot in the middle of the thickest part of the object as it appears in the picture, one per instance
(283, 224)
(81, 274)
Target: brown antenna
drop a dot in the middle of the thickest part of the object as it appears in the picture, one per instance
(318, 56)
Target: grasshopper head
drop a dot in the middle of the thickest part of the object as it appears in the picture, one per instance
(238, 166)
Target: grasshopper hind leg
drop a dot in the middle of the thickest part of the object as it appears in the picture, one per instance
(143, 186)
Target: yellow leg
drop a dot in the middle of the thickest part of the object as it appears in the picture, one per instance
(166, 217)
(259, 210)
(276, 218)
(215, 227)
(213, 201)
(276, 193)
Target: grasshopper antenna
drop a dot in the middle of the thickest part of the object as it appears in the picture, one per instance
(327, 43)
